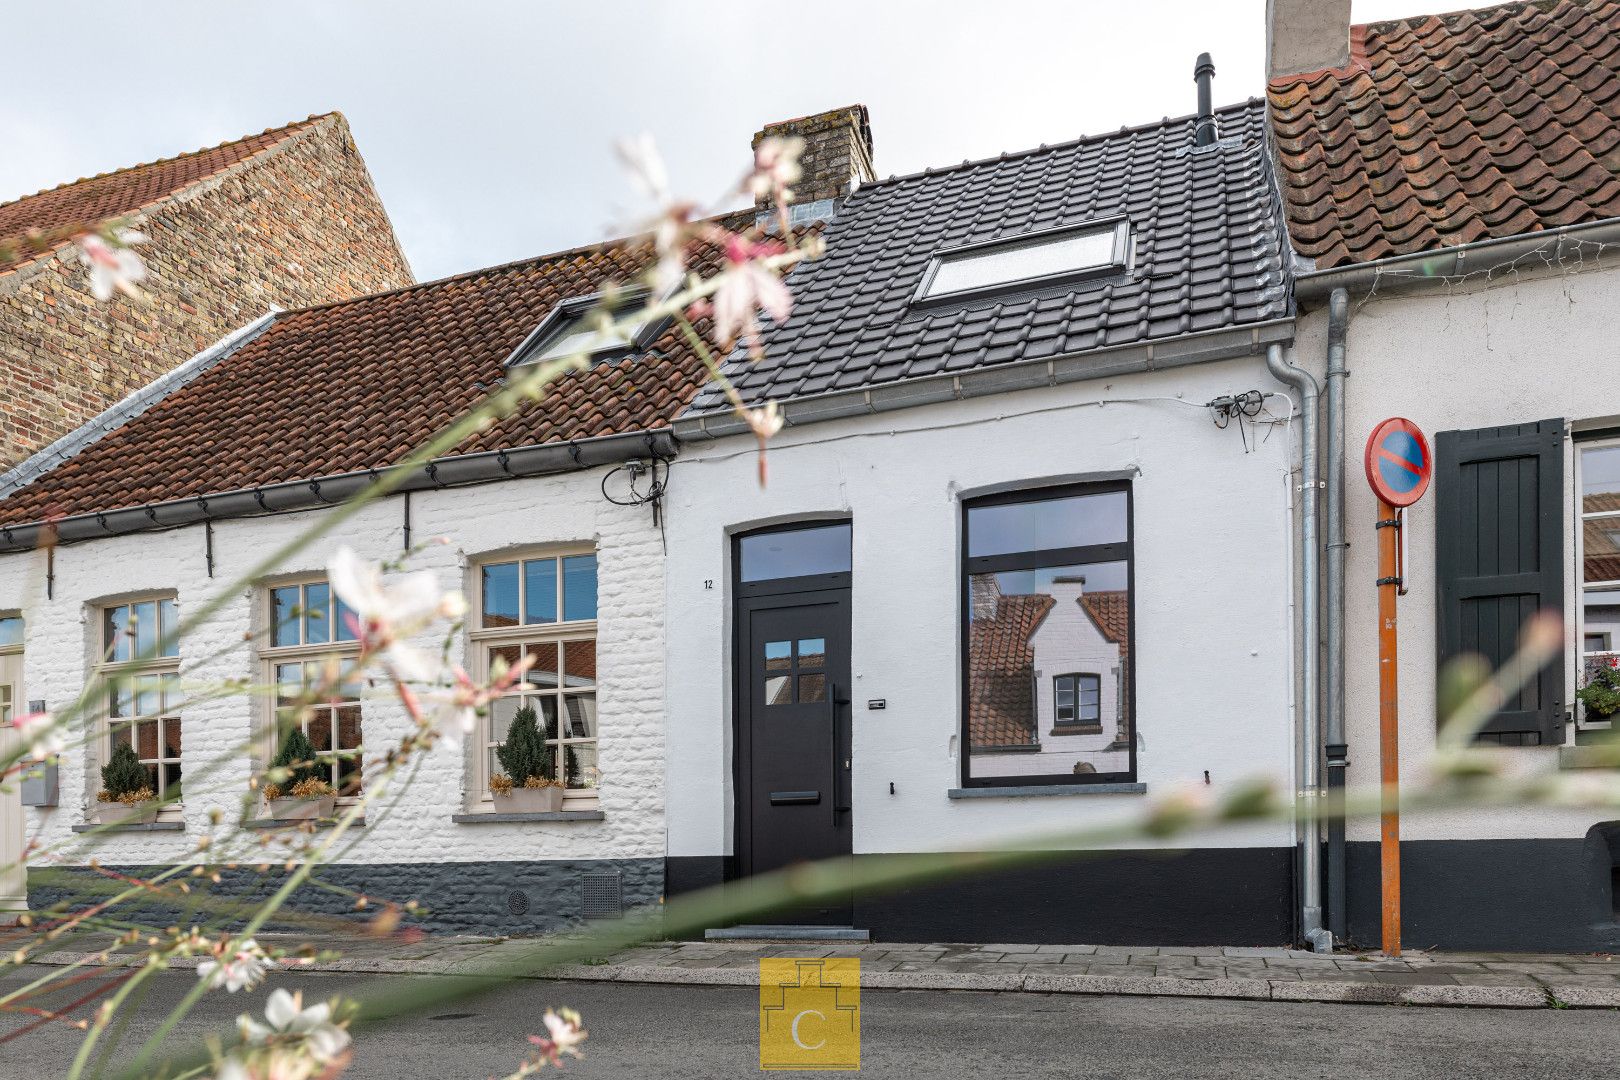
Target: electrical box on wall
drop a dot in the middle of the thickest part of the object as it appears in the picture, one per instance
(39, 787)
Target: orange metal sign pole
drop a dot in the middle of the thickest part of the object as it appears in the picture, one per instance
(1389, 848)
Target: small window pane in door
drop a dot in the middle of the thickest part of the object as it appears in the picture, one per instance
(812, 688)
(779, 690)
(812, 652)
(778, 655)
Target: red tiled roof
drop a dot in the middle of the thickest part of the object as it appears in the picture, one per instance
(1001, 664)
(360, 384)
(35, 224)
(1449, 129)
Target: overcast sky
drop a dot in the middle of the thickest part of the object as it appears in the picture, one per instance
(489, 126)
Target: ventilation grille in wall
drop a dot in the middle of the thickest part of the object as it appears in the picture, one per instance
(601, 896)
(517, 902)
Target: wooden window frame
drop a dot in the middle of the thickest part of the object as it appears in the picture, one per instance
(485, 640)
(166, 669)
(272, 656)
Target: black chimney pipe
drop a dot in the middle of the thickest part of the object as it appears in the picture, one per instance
(1204, 128)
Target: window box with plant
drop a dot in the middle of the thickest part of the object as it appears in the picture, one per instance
(526, 785)
(126, 796)
(296, 788)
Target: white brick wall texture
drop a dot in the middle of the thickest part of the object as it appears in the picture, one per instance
(478, 522)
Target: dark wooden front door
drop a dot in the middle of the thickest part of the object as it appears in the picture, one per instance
(794, 739)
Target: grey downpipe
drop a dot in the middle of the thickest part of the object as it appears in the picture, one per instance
(1337, 748)
(1310, 734)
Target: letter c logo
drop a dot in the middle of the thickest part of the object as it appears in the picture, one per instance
(800, 1042)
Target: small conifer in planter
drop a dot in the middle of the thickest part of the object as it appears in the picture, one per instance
(298, 790)
(526, 785)
(126, 795)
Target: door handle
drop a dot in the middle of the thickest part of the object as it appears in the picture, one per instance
(840, 803)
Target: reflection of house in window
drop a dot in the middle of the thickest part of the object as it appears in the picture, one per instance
(1052, 663)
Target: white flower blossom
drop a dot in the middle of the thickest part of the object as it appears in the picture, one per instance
(113, 266)
(291, 1026)
(40, 733)
(242, 967)
(388, 614)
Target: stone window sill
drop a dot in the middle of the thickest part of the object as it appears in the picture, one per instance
(493, 818)
(134, 826)
(1036, 791)
(293, 823)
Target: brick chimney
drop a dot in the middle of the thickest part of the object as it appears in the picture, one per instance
(1306, 35)
(837, 157)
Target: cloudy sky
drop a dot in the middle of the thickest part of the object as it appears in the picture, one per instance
(489, 126)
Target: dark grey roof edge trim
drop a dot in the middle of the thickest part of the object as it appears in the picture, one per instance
(1427, 269)
(109, 420)
(520, 462)
(1023, 375)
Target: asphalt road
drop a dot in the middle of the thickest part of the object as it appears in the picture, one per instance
(664, 1031)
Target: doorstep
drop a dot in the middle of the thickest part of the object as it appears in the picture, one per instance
(767, 933)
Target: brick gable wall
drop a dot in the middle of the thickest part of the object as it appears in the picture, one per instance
(298, 224)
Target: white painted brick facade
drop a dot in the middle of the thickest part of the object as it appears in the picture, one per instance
(1212, 638)
(479, 521)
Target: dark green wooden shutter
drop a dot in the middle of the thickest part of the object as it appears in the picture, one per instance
(1499, 559)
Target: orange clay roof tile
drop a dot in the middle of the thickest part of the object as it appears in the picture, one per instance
(38, 223)
(1453, 128)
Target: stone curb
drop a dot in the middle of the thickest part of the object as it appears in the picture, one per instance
(1281, 990)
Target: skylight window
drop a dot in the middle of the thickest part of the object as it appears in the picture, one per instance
(575, 326)
(1035, 260)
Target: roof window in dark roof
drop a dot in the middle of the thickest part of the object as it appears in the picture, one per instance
(1057, 256)
(592, 325)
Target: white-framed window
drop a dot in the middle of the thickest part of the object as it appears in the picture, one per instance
(140, 653)
(309, 653)
(1597, 539)
(541, 605)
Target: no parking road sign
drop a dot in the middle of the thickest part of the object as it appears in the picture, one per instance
(1398, 462)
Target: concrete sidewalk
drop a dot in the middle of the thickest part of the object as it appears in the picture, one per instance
(1498, 980)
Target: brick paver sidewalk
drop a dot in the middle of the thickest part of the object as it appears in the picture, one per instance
(1511, 980)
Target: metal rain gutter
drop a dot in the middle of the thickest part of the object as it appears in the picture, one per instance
(295, 495)
(1028, 374)
(1309, 735)
(1399, 273)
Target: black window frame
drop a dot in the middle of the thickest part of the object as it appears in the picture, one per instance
(1121, 551)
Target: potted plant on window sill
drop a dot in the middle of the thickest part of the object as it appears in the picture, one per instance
(1601, 694)
(295, 790)
(526, 787)
(126, 796)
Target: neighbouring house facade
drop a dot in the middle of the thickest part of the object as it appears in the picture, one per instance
(541, 533)
(1452, 199)
(283, 219)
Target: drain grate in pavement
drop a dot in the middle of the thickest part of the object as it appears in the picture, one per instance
(453, 1016)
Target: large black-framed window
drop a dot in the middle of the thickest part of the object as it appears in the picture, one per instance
(1047, 622)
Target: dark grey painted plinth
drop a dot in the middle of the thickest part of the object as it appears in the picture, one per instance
(493, 898)
(1546, 895)
(1036, 791)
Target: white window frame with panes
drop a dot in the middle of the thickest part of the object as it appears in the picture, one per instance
(519, 609)
(307, 628)
(1589, 522)
(140, 661)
